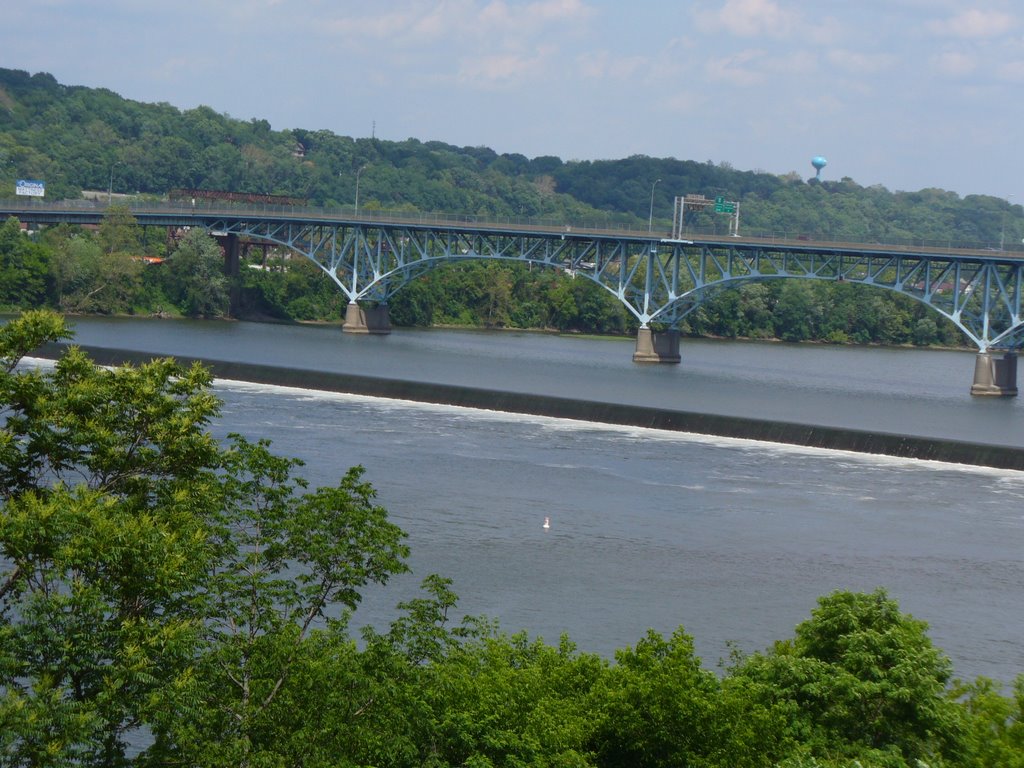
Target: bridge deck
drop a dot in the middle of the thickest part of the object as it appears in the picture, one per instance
(205, 213)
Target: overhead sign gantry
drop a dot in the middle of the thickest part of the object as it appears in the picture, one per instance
(700, 203)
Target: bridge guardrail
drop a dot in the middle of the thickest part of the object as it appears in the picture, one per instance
(608, 228)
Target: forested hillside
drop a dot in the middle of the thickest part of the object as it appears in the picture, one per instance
(76, 138)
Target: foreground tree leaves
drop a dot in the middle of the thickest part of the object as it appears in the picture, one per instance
(283, 562)
(94, 620)
(995, 723)
(862, 680)
(149, 575)
(105, 481)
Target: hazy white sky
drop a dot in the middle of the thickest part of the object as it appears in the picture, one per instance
(904, 93)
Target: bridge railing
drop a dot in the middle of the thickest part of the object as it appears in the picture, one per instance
(611, 226)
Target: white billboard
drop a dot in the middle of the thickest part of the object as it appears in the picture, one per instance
(30, 187)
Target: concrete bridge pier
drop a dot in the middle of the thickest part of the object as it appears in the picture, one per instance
(232, 248)
(367, 319)
(995, 374)
(656, 347)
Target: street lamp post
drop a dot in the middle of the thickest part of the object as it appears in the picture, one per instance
(1002, 231)
(358, 173)
(650, 217)
(110, 184)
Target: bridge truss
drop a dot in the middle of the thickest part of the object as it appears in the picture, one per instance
(659, 280)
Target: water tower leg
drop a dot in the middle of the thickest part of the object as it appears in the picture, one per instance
(661, 347)
(373, 320)
(995, 374)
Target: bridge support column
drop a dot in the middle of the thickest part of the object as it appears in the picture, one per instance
(995, 374)
(661, 347)
(231, 268)
(367, 319)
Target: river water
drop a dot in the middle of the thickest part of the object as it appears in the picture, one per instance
(734, 540)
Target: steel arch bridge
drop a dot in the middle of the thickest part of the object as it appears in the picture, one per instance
(660, 280)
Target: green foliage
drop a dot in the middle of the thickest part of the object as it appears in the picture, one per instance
(32, 330)
(97, 274)
(288, 288)
(421, 634)
(119, 232)
(661, 708)
(995, 723)
(197, 282)
(24, 268)
(76, 266)
(105, 480)
(282, 560)
(152, 580)
(836, 312)
(510, 701)
(501, 295)
(863, 681)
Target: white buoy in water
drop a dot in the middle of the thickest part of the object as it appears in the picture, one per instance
(547, 523)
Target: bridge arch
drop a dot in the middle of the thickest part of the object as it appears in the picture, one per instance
(972, 324)
(661, 281)
(658, 279)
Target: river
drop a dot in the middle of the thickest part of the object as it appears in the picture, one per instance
(734, 540)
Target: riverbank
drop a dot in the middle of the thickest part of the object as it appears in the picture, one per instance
(809, 435)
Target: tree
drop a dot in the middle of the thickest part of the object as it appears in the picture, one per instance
(198, 282)
(120, 232)
(511, 701)
(152, 581)
(281, 562)
(84, 275)
(863, 680)
(100, 274)
(105, 478)
(995, 723)
(660, 707)
(24, 268)
(797, 312)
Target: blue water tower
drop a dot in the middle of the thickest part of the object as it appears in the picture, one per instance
(818, 162)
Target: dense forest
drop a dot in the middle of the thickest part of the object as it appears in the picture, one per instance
(78, 139)
(168, 599)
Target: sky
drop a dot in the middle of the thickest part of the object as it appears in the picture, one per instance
(908, 94)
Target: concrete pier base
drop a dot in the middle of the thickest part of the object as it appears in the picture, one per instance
(232, 249)
(367, 320)
(995, 374)
(661, 347)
